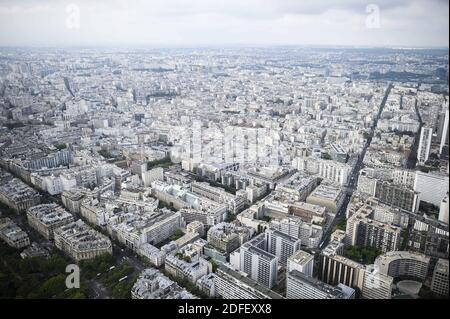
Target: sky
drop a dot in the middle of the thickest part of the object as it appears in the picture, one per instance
(406, 23)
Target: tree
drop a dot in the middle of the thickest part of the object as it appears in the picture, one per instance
(342, 225)
(6, 210)
(35, 277)
(7, 287)
(230, 218)
(52, 287)
(178, 234)
(90, 268)
(214, 265)
(187, 259)
(122, 290)
(361, 254)
(78, 294)
(105, 154)
(111, 278)
(326, 156)
(164, 162)
(61, 146)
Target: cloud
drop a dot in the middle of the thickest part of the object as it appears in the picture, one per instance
(191, 22)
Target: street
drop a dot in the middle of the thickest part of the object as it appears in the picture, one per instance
(354, 175)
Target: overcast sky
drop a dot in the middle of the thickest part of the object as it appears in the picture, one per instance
(409, 23)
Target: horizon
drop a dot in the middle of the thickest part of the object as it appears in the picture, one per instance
(224, 46)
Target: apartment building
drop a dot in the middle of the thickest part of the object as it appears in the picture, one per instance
(81, 242)
(45, 218)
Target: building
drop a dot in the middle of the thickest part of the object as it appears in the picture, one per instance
(338, 236)
(397, 196)
(404, 177)
(333, 171)
(428, 236)
(298, 186)
(309, 233)
(187, 238)
(155, 256)
(301, 286)
(249, 217)
(432, 187)
(302, 262)
(134, 230)
(191, 206)
(187, 264)
(281, 245)
(257, 262)
(307, 212)
(376, 285)
(335, 269)
(231, 284)
(54, 184)
(439, 282)
(207, 286)
(72, 200)
(18, 195)
(204, 215)
(12, 234)
(363, 230)
(338, 153)
(366, 184)
(213, 171)
(81, 242)
(92, 210)
(443, 210)
(234, 203)
(172, 195)
(138, 167)
(45, 218)
(255, 191)
(34, 250)
(155, 174)
(196, 227)
(177, 178)
(151, 284)
(403, 264)
(390, 215)
(403, 125)
(62, 157)
(444, 132)
(423, 152)
(227, 237)
(328, 196)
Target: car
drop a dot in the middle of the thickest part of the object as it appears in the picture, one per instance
(123, 278)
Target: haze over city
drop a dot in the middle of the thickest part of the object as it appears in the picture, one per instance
(416, 23)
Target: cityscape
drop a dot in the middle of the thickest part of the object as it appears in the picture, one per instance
(224, 171)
